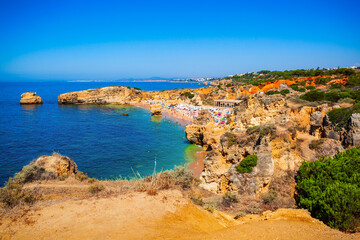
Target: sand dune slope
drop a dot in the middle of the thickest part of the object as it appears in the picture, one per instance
(168, 215)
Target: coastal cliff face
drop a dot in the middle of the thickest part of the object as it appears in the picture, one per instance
(30, 98)
(203, 131)
(281, 136)
(104, 95)
(281, 133)
(260, 109)
(126, 95)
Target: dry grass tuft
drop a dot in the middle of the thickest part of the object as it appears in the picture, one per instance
(152, 192)
(96, 187)
(14, 194)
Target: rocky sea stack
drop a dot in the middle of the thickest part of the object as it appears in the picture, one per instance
(155, 109)
(30, 98)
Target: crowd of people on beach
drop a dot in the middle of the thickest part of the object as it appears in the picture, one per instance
(219, 115)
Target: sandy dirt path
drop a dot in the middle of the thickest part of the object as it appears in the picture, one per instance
(168, 215)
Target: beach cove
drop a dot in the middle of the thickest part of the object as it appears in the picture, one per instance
(98, 138)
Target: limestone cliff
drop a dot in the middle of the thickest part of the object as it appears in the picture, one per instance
(128, 95)
(104, 95)
(353, 131)
(203, 131)
(281, 136)
(260, 109)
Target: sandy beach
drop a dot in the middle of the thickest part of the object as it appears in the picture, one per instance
(168, 115)
(178, 117)
(197, 166)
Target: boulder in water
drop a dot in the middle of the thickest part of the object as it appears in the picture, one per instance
(30, 98)
(155, 109)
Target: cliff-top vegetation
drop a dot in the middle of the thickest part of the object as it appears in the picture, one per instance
(267, 75)
(247, 164)
(330, 189)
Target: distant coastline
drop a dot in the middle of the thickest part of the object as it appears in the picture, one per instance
(172, 80)
(175, 81)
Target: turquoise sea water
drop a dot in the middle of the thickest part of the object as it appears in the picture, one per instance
(98, 138)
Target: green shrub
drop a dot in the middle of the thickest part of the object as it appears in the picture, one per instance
(31, 173)
(315, 144)
(284, 92)
(229, 199)
(333, 96)
(269, 197)
(296, 88)
(247, 164)
(335, 86)
(96, 187)
(239, 215)
(81, 176)
(313, 95)
(211, 206)
(252, 130)
(344, 71)
(271, 92)
(346, 100)
(183, 177)
(330, 189)
(322, 81)
(14, 194)
(197, 199)
(354, 80)
(253, 208)
(135, 88)
(267, 130)
(91, 180)
(63, 177)
(303, 83)
(230, 138)
(340, 116)
(188, 94)
(346, 94)
(310, 87)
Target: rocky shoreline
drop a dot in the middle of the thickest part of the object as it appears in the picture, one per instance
(144, 99)
(267, 126)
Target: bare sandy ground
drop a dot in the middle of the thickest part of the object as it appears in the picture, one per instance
(167, 215)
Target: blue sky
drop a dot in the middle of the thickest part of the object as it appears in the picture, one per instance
(73, 40)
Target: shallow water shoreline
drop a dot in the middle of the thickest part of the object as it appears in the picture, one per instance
(177, 118)
(197, 164)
